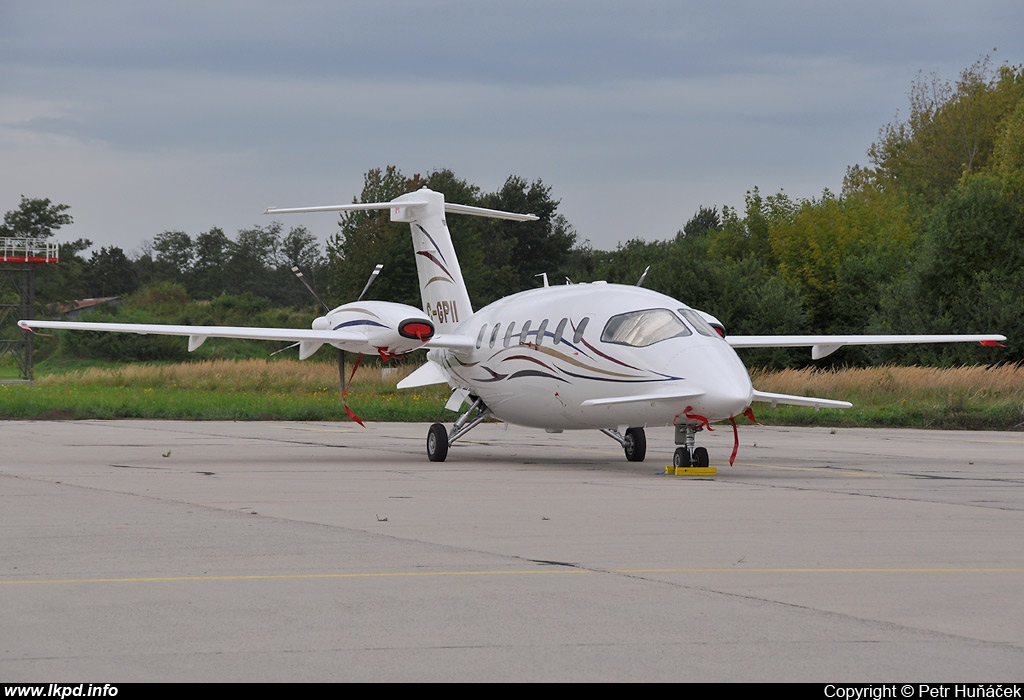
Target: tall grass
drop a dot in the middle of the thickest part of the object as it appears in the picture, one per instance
(223, 390)
(974, 397)
(986, 397)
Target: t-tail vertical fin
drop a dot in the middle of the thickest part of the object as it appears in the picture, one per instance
(442, 289)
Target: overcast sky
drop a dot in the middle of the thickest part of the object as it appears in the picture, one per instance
(148, 116)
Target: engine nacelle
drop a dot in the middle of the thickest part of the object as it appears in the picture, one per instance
(386, 327)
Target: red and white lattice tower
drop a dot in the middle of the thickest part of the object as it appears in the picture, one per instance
(18, 260)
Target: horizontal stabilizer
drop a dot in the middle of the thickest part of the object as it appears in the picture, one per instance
(425, 375)
(644, 398)
(824, 345)
(405, 210)
(775, 399)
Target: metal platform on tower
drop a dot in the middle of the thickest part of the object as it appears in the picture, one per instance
(18, 260)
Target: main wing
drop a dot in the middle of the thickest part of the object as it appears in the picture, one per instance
(824, 345)
(309, 340)
(198, 334)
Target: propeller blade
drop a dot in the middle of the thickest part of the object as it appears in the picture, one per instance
(341, 369)
(305, 282)
(373, 276)
(287, 347)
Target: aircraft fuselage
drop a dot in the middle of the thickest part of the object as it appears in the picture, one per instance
(596, 356)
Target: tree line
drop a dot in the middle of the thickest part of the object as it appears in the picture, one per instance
(927, 237)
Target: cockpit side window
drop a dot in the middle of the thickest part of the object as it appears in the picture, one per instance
(640, 329)
(698, 323)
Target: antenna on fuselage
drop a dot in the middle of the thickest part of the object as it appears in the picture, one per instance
(543, 275)
(640, 282)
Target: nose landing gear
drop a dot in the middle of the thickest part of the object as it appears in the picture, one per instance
(687, 454)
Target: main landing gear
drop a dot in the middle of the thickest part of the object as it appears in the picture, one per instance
(438, 438)
(687, 455)
(634, 442)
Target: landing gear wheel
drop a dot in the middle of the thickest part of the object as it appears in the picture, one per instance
(635, 444)
(700, 457)
(437, 443)
(681, 457)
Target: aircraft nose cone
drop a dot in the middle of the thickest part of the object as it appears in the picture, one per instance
(721, 375)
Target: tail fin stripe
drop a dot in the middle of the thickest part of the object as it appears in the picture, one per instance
(432, 241)
(430, 256)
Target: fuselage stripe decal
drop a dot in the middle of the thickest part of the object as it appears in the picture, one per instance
(621, 381)
(535, 373)
(608, 357)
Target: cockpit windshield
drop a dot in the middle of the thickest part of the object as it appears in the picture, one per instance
(642, 328)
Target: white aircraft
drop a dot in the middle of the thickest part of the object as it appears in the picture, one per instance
(580, 356)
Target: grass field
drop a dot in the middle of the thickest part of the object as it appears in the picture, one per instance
(986, 397)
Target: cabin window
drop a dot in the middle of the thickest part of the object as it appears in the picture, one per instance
(559, 329)
(508, 333)
(578, 335)
(494, 333)
(640, 329)
(540, 332)
(698, 323)
(480, 337)
(524, 336)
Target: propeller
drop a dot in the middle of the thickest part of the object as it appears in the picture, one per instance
(341, 353)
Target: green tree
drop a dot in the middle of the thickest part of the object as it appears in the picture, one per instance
(300, 249)
(35, 218)
(252, 258)
(951, 130)
(65, 281)
(519, 251)
(841, 252)
(368, 238)
(497, 257)
(703, 222)
(206, 279)
(109, 273)
(173, 255)
(1008, 155)
(749, 234)
(967, 278)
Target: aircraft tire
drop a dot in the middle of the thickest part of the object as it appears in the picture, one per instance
(437, 443)
(636, 445)
(681, 457)
(700, 457)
